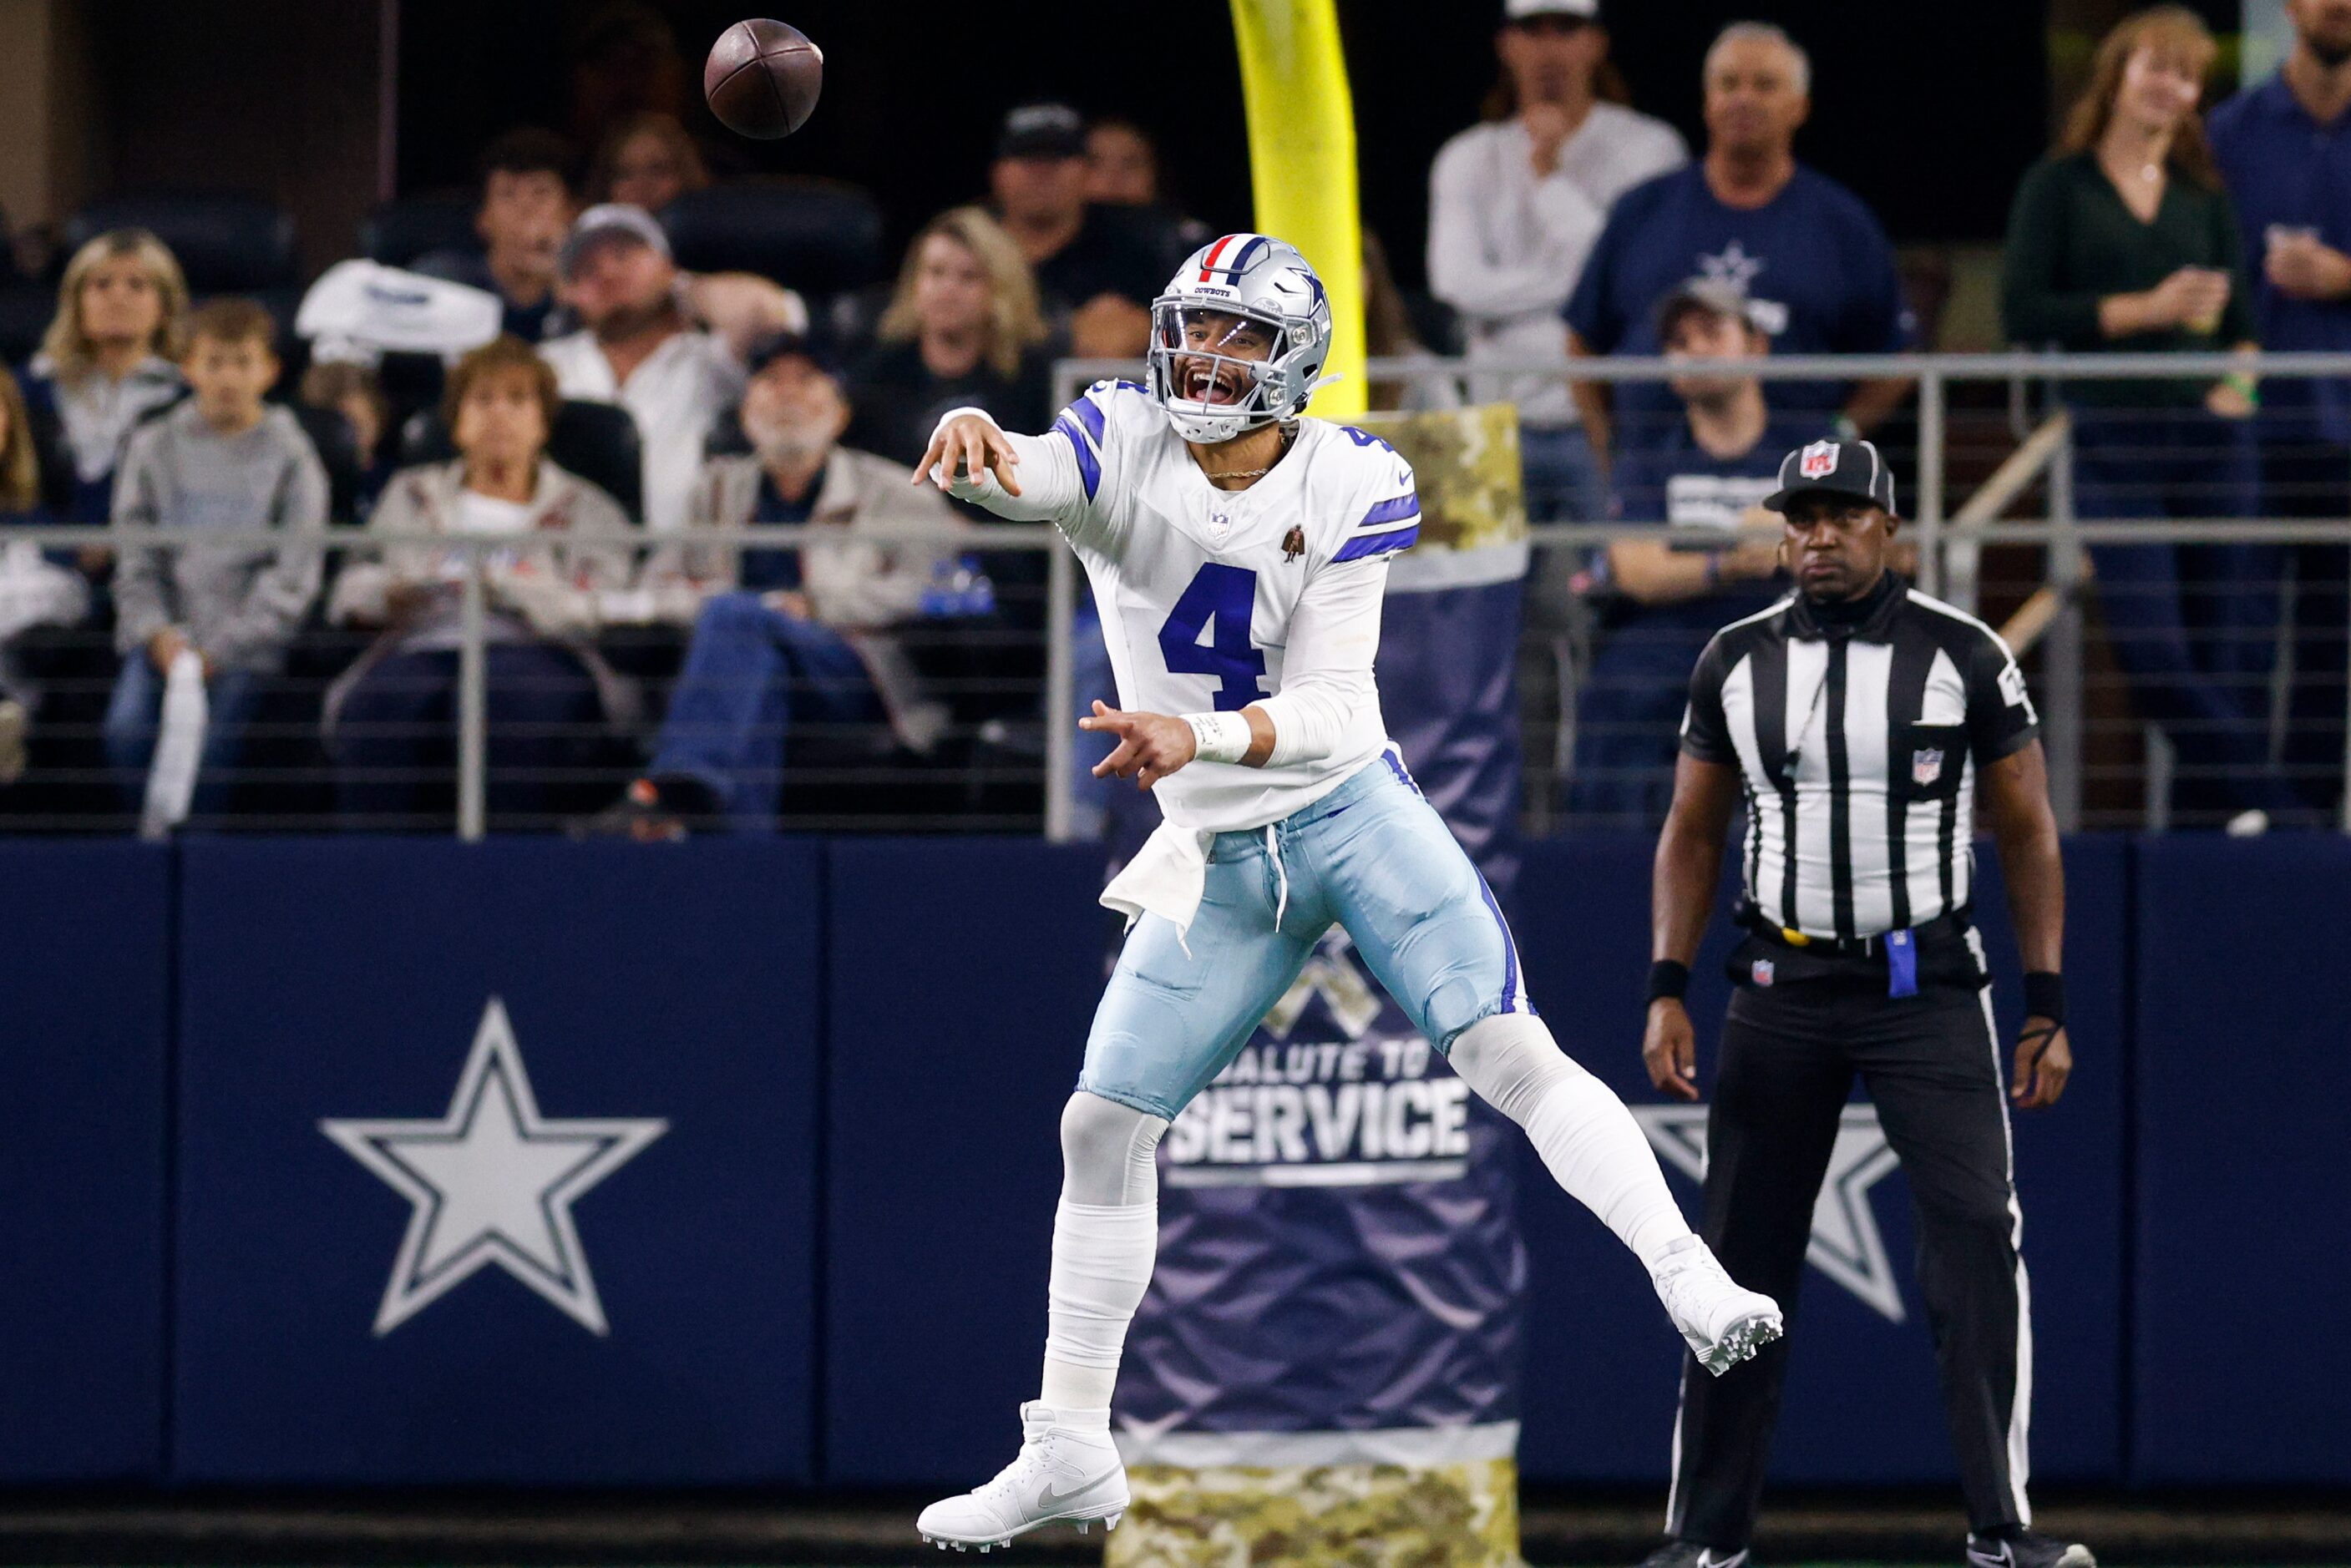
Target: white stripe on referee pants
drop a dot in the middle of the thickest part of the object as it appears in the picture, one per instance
(2020, 1408)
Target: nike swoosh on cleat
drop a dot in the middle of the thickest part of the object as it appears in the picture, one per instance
(1049, 1498)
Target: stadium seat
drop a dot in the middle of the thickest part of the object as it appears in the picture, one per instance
(814, 236)
(226, 244)
(25, 312)
(397, 232)
(598, 441)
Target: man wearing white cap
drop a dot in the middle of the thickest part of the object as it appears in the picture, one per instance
(636, 349)
(1516, 205)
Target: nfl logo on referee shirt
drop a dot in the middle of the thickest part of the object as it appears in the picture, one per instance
(1764, 971)
(1820, 458)
(1926, 767)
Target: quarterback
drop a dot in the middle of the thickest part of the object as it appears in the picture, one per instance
(1238, 553)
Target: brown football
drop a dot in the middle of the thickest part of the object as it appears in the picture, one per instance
(762, 79)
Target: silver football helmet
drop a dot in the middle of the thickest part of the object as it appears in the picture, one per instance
(1238, 338)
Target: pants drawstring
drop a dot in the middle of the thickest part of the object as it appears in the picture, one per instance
(1280, 875)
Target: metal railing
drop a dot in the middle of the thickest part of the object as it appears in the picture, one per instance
(1949, 540)
(1987, 402)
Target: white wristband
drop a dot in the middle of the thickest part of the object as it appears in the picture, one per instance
(1219, 737)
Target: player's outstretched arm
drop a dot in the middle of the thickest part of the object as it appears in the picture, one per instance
(1029, 479)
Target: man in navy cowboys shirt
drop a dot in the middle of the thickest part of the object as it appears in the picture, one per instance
(1810, 256)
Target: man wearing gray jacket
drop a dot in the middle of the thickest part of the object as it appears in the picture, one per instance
(784, 638)
(223, 459)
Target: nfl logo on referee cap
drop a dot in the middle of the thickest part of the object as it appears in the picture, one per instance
(1819, 459)
(1926, 766)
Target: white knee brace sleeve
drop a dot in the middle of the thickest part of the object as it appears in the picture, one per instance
(1588, 1140)
(1105, 1236)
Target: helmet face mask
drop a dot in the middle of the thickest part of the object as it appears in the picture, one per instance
(1238, 338)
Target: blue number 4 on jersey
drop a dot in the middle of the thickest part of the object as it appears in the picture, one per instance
(1221, 598)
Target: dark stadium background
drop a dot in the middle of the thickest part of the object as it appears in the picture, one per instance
(913, 92)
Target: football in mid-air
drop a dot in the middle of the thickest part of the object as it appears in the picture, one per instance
(762, 79)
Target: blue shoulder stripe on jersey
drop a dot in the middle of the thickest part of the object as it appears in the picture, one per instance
(1392, 511)
(1089, 465)
(1363, 545)
(1090, 413)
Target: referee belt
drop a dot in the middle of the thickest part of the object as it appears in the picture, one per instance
(1941, 927)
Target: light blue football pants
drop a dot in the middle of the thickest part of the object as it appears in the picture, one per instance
(1372, 857)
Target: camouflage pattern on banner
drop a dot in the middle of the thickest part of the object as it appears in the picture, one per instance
(1326, 1367)
(1462, 1515)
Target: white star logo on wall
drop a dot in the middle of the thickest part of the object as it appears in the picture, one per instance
(1846, 1245)
(492, 1182)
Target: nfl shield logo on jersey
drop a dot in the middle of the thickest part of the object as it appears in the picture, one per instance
(1926, 766)
(1764, 972)
(1820, 458)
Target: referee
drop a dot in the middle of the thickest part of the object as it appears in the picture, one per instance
(1860, 720)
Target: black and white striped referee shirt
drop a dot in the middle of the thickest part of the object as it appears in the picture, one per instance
(1858, 730)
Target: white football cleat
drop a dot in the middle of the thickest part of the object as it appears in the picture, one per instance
(1061, 1474)
(1723, 1321)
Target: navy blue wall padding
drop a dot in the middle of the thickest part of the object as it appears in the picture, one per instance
(399, 233)
(1861, 1403)
(964, 973)
(347, 980)
(225, 244)
(81, 1160)
(2244, 1075)
(814, 236)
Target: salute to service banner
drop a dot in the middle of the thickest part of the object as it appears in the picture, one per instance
(1329, 1354)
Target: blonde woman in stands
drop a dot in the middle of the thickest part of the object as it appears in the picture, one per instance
(110, 357)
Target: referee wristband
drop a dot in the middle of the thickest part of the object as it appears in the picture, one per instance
(1219, 737)
(2044, 996)
(1668, 979)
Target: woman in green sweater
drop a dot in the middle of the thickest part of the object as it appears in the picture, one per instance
(2123, 241)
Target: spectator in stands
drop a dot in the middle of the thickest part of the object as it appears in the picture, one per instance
(33, 591)
(962, 327)
(1708, 478)
(392, 718)
(1813, 258)
(222, 460)
(107, 362)
(353, 392)
(1388, 335)
(1122, 171)
(635, 348)
(2122, 240)
(784, 641)
(1515, 205)
(2286, 161)
(626, 62)
(648, 161)
(526, 207)
(1097, 282)
(1121, 163)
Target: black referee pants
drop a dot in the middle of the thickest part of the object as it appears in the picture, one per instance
(1931, 1065)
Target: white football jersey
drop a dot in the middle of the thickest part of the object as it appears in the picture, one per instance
(1210, 599)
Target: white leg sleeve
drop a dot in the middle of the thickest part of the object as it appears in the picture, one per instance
(1105, 1235)
(1591, 1143)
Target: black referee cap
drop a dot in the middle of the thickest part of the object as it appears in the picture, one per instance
(1840, 467)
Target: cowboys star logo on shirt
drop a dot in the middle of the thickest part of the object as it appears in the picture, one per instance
(1820, 459)
(1926, 766)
